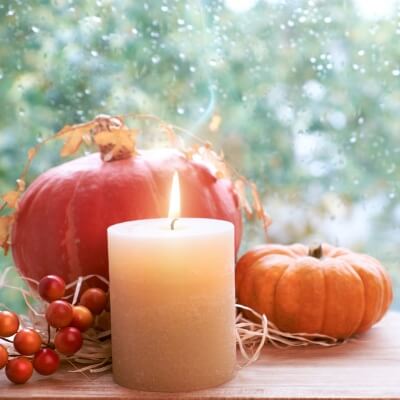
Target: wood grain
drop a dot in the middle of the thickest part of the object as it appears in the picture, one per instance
(368, 367)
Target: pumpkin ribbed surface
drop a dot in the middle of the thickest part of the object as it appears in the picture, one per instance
(61, 222)
(339, 294)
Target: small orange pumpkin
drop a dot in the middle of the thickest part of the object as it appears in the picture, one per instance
(326, 290)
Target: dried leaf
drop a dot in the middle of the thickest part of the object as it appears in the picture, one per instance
(11, 198)
(104, 122)
(73, 141)
(220, 174)
(87, 139)
(240, 189)
(21, 184)
(32, 153)
(171, 135)
(258, 206)
(215, 161)
(116, 143)
(215, 123)
(188, 153)
(5, 223)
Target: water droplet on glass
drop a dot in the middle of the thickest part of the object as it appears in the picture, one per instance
(35, 29)
(327, 20)
(391, 169)
(353, 139)
(94, 53)
(164, 8)
(10, 13)
(392, 195)
(361, 53)
(355, 67)
(134, 31)
(180, 110)
(396, 72)
(155, 59)
(181, 22)
(313, 60)
(360, 121)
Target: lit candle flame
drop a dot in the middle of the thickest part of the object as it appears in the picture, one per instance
(175, 198)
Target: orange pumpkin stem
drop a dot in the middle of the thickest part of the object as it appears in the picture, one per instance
(315, 251)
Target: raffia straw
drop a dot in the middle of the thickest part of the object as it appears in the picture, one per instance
(95, 354)
(251, 336)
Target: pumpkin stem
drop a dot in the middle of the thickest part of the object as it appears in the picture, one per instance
(315, 251)
(113, 138)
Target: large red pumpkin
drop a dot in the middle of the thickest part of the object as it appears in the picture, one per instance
(60, 226)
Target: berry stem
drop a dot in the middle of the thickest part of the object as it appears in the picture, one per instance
(6, 340)
(48, 334)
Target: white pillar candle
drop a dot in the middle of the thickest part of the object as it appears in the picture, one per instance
(173, 303)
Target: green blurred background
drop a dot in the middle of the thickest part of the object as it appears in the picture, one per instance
(307, 93)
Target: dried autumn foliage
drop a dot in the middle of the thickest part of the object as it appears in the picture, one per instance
(117, 141)
(11, 198)
(116, 144)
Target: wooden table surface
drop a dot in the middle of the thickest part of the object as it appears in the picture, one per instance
(368, 367)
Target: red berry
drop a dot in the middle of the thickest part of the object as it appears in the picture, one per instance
(27, 342)
(95, 300)
(9, 323)
(46, 362)
(59, 313)
(51, 287)
(19, 370)
(68, 340)
(3, 356)
(82, 319)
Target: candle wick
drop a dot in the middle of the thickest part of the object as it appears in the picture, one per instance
(173, 223)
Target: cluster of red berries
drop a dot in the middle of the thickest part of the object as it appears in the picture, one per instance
(35, 353)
